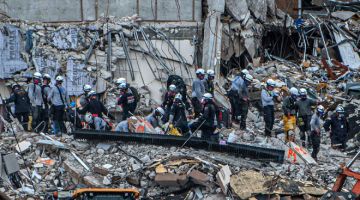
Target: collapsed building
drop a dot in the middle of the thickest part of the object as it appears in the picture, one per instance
(95, 42)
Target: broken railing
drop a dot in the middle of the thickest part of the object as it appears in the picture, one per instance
(243, 150)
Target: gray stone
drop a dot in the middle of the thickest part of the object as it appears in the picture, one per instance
(100, 151)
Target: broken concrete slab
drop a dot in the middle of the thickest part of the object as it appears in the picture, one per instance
(198, 177)
(54, 143)
(11, 163)
(349, 57)
(101, 171)
(104, 146)
(92, 181)
(73, 169)
(171, 180)
(223, 178)
(23, 146)
(258, 8)
(237, 9)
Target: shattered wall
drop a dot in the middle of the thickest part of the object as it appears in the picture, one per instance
(97, 53)
(91, 10)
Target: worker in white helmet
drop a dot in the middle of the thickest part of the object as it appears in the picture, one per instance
(36, 100)
(156, 117)
(59, 98)
(289, 109)
(268, 97)
(316, 124)
(198, 90)
(46, 88)
(178, 115)
(169, 100)
(209, 82)
(339, 128)
(304, 113)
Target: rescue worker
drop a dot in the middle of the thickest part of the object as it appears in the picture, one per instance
(95, 107)
(45, 90)
(36, 99)
(84, 97)
(244, 100)
(315, 135)
(177, 117)
(60, 102)
(339, 127)
(268, 95)
(289, 110)
(209, 82)
(234, 94)
(155, 118)
(304, 113)
(169, 100)
(22, 105)
(126, 101)
(198, 90)
(208, 118)
(94, 122)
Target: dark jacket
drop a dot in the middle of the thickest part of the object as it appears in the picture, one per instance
(209, 86)
(168, 100)
(21, 101)
(339, 127)
(178, 113)
(208, 114)
(94, 107)
(288, 106)
(127, 102)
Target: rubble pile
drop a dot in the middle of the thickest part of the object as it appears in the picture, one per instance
(50, 165)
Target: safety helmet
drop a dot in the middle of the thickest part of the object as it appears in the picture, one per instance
(59, 78)
(178, 96)
(120, 80)
(91, 93)
(245, 71)
(200, 72)
(302, 92)
(340, 109)
(270, 83)
(172, 87)
(14, 85)
(88, 117)
(210, 72)
(123, 86)
(320, 109)
(160, 110)
(294, 91)
(37, 75)
(87, 88)
(248, 77)
(47, 76)
(207, 96)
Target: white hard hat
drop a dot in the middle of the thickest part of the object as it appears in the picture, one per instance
(172, 87)
(122, 86)
(294, 91)
(210, 72)
(160, 110)
(248, 77)
(200, 71)
(87, 88)
(340, 109)
(59, 78)
(245, 71)
(302, 91)
(178, 96)
(91, 93)
(120, 80)
(46, 76)
(270, 82)
(37, 75)
(207, 96)
(320, 108)
(88, 117)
